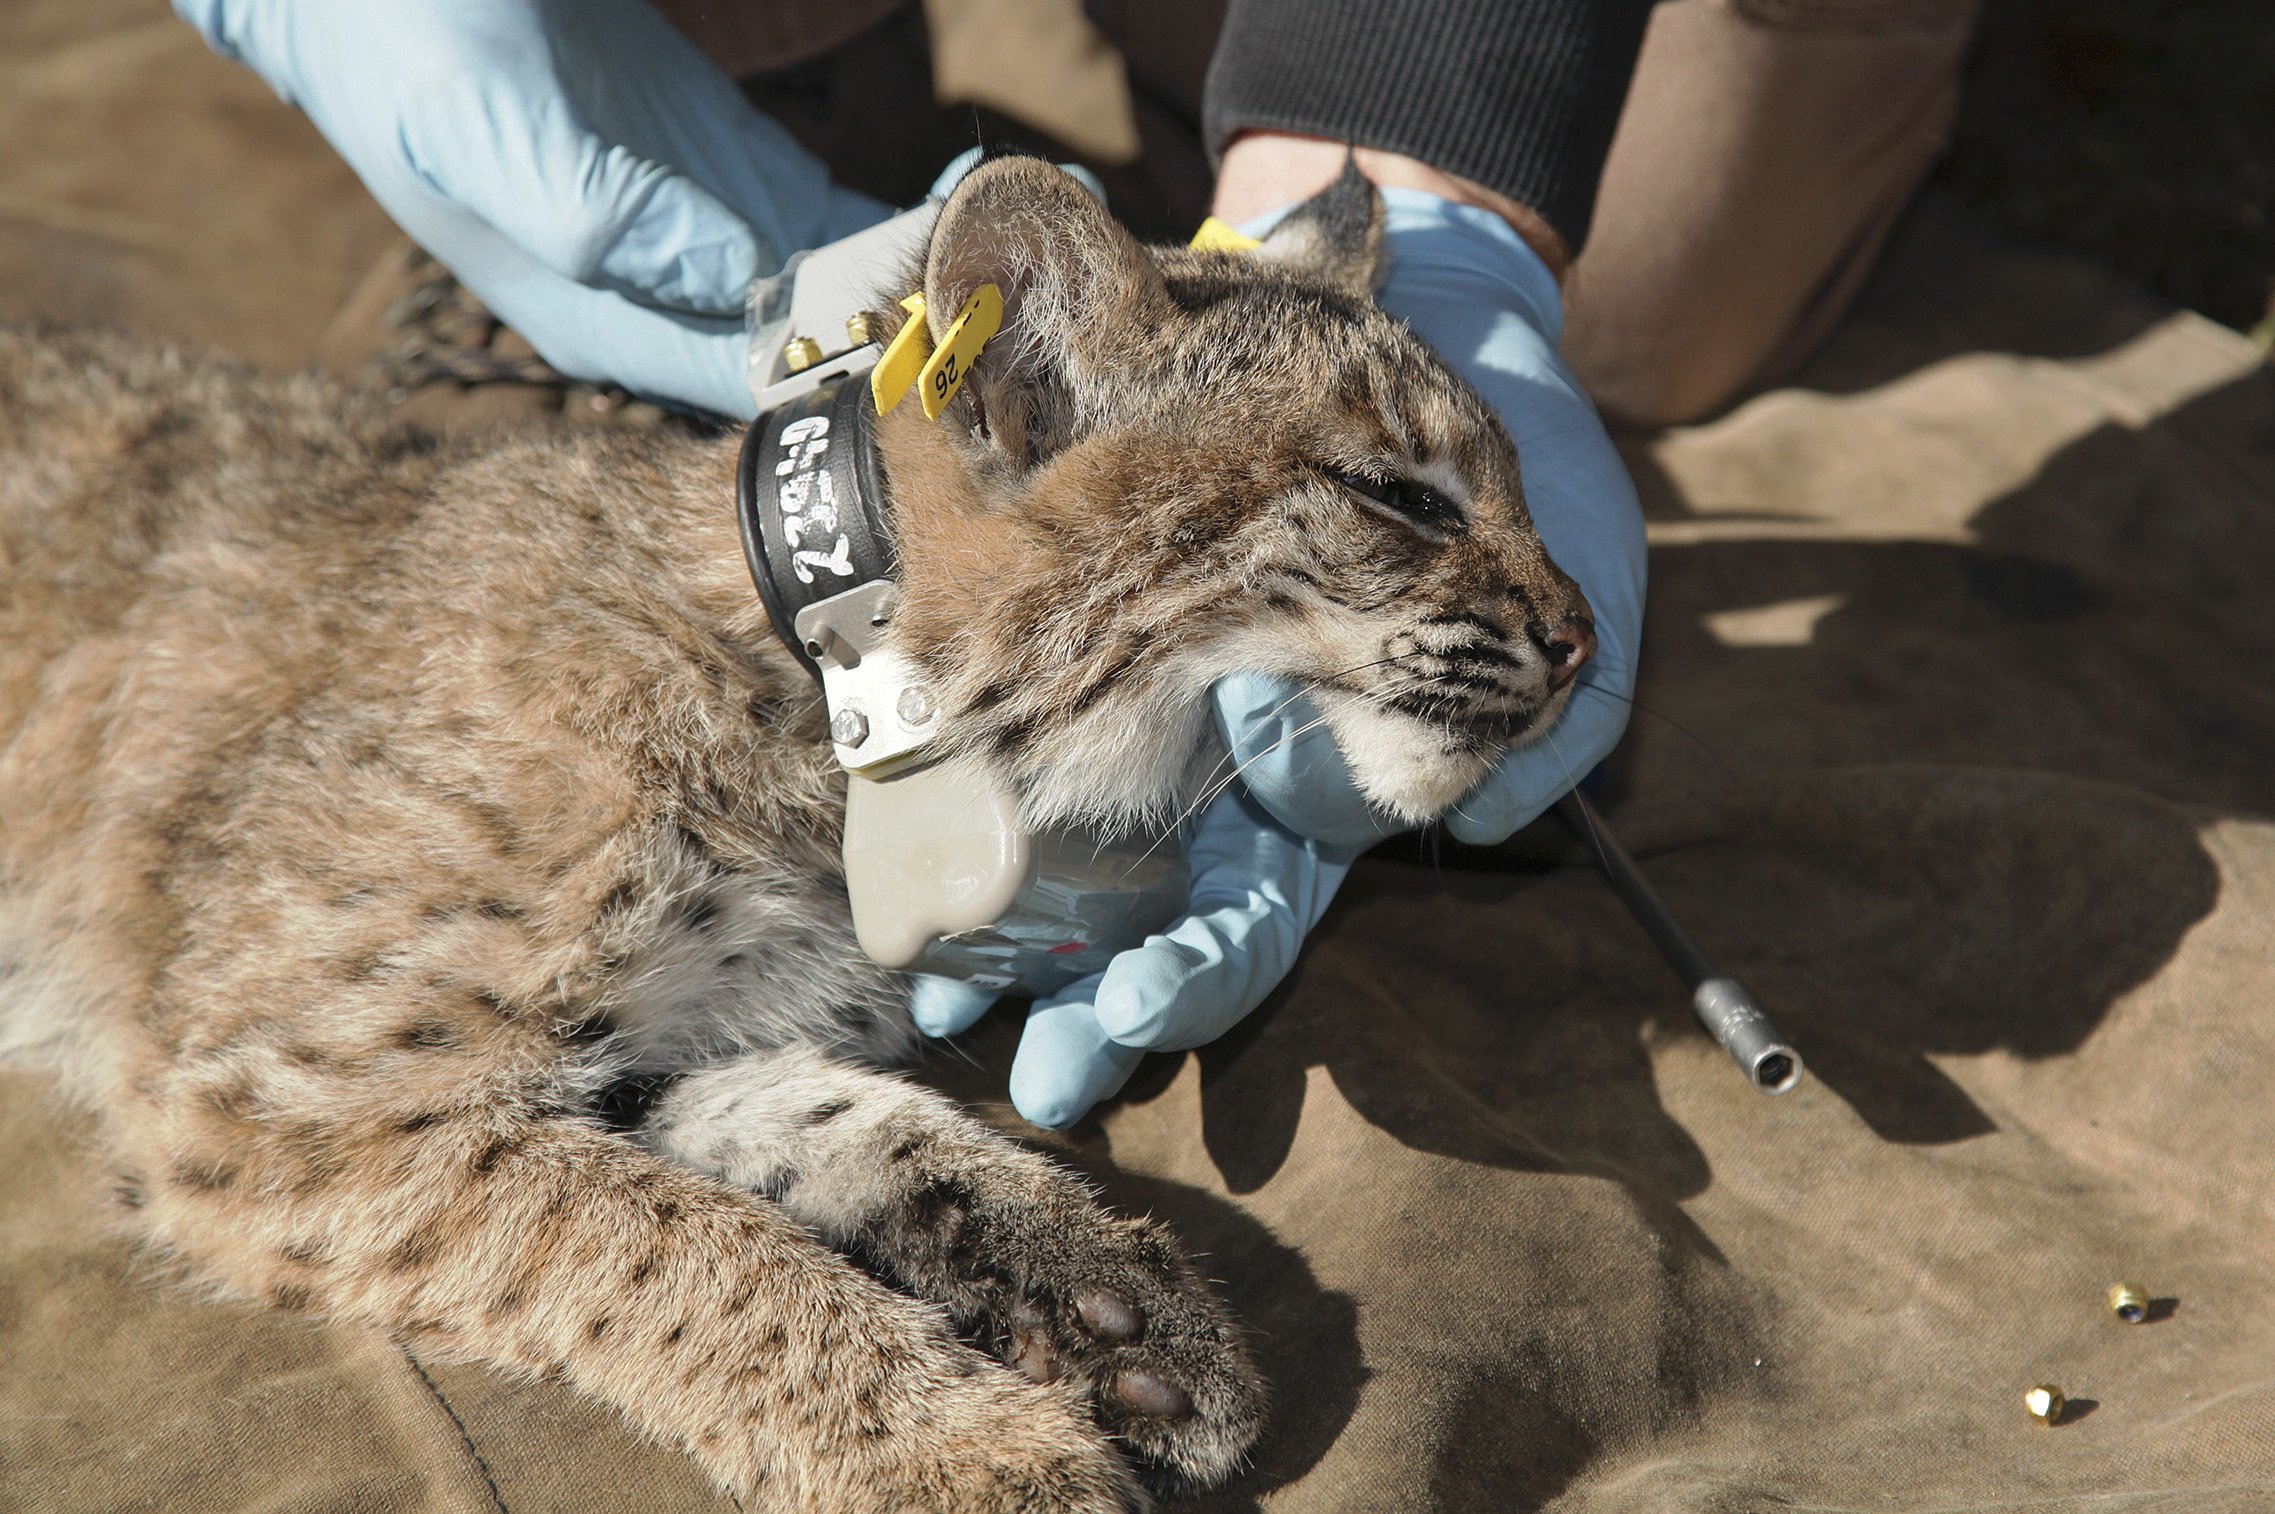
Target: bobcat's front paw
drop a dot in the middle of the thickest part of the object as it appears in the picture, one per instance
(1124, 1314)
(1072, 1294)
(1011, 1243)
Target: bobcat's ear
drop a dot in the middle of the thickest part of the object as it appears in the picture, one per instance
(1336, 235)
(1069, 275)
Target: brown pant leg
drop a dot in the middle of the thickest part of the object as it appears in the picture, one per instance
(1766, 149)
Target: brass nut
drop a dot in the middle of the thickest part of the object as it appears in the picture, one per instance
(2129, 1302)
(801, 353)
(2045, 1403)
(858, 329)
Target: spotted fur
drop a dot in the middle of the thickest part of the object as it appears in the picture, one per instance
(425, 858)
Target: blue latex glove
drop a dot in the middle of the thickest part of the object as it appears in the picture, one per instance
(1258, 888)
(578, 164)
(1266, 863)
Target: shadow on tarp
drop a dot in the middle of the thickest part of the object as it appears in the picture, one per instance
(1933, 832)
(2108, 621)
(2108, 624)
(1887, 916)
(1954, 904)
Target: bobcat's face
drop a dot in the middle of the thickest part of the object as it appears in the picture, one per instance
(1172, 465)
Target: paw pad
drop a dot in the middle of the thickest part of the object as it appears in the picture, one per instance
(1108, 1314)
(1146, 1394)
(1031, 1349)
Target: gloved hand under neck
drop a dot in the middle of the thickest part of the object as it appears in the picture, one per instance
(1267, 861)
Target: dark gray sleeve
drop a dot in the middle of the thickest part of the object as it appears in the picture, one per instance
(1518, 95)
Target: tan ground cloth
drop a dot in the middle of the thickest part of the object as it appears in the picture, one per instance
(1970, 628)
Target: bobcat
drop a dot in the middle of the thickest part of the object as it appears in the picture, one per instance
(373, 812)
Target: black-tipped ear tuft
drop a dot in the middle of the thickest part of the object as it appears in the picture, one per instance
(1336, 235)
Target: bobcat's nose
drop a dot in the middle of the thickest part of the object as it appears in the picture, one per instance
(1568, 647)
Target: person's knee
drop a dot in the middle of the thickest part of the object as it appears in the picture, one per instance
(1667, 386)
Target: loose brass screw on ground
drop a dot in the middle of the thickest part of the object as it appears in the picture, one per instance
(2045, 1403)
(2129, 1302)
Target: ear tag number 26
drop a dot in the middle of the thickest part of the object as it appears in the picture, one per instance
(944, 372)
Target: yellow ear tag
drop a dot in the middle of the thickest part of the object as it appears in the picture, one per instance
(904, 357)
(981, 318)
(1215, 236)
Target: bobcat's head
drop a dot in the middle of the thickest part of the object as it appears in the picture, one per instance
(1170, 465)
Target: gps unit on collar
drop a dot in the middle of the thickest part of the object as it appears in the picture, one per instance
(942, 873)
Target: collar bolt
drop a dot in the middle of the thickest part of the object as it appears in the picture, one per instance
(801, 353)
(916, 706)
(849, 727)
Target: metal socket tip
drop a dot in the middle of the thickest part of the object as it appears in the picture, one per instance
(1733, 1018)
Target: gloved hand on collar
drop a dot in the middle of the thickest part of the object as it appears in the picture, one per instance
(1266, 863)
(578, 164)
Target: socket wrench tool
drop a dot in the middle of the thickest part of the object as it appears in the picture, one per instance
(1723, 1005)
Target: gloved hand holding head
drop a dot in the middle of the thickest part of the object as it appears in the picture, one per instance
(1465, 282)
(1182, 464)
(1305, 495)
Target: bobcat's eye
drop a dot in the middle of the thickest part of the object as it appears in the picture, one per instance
(1417, 501)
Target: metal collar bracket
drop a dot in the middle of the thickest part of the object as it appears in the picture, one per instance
(881, 711)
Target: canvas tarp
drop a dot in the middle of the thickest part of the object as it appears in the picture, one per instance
(1958, 748)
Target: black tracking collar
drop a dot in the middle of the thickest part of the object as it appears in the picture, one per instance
(816, 518)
